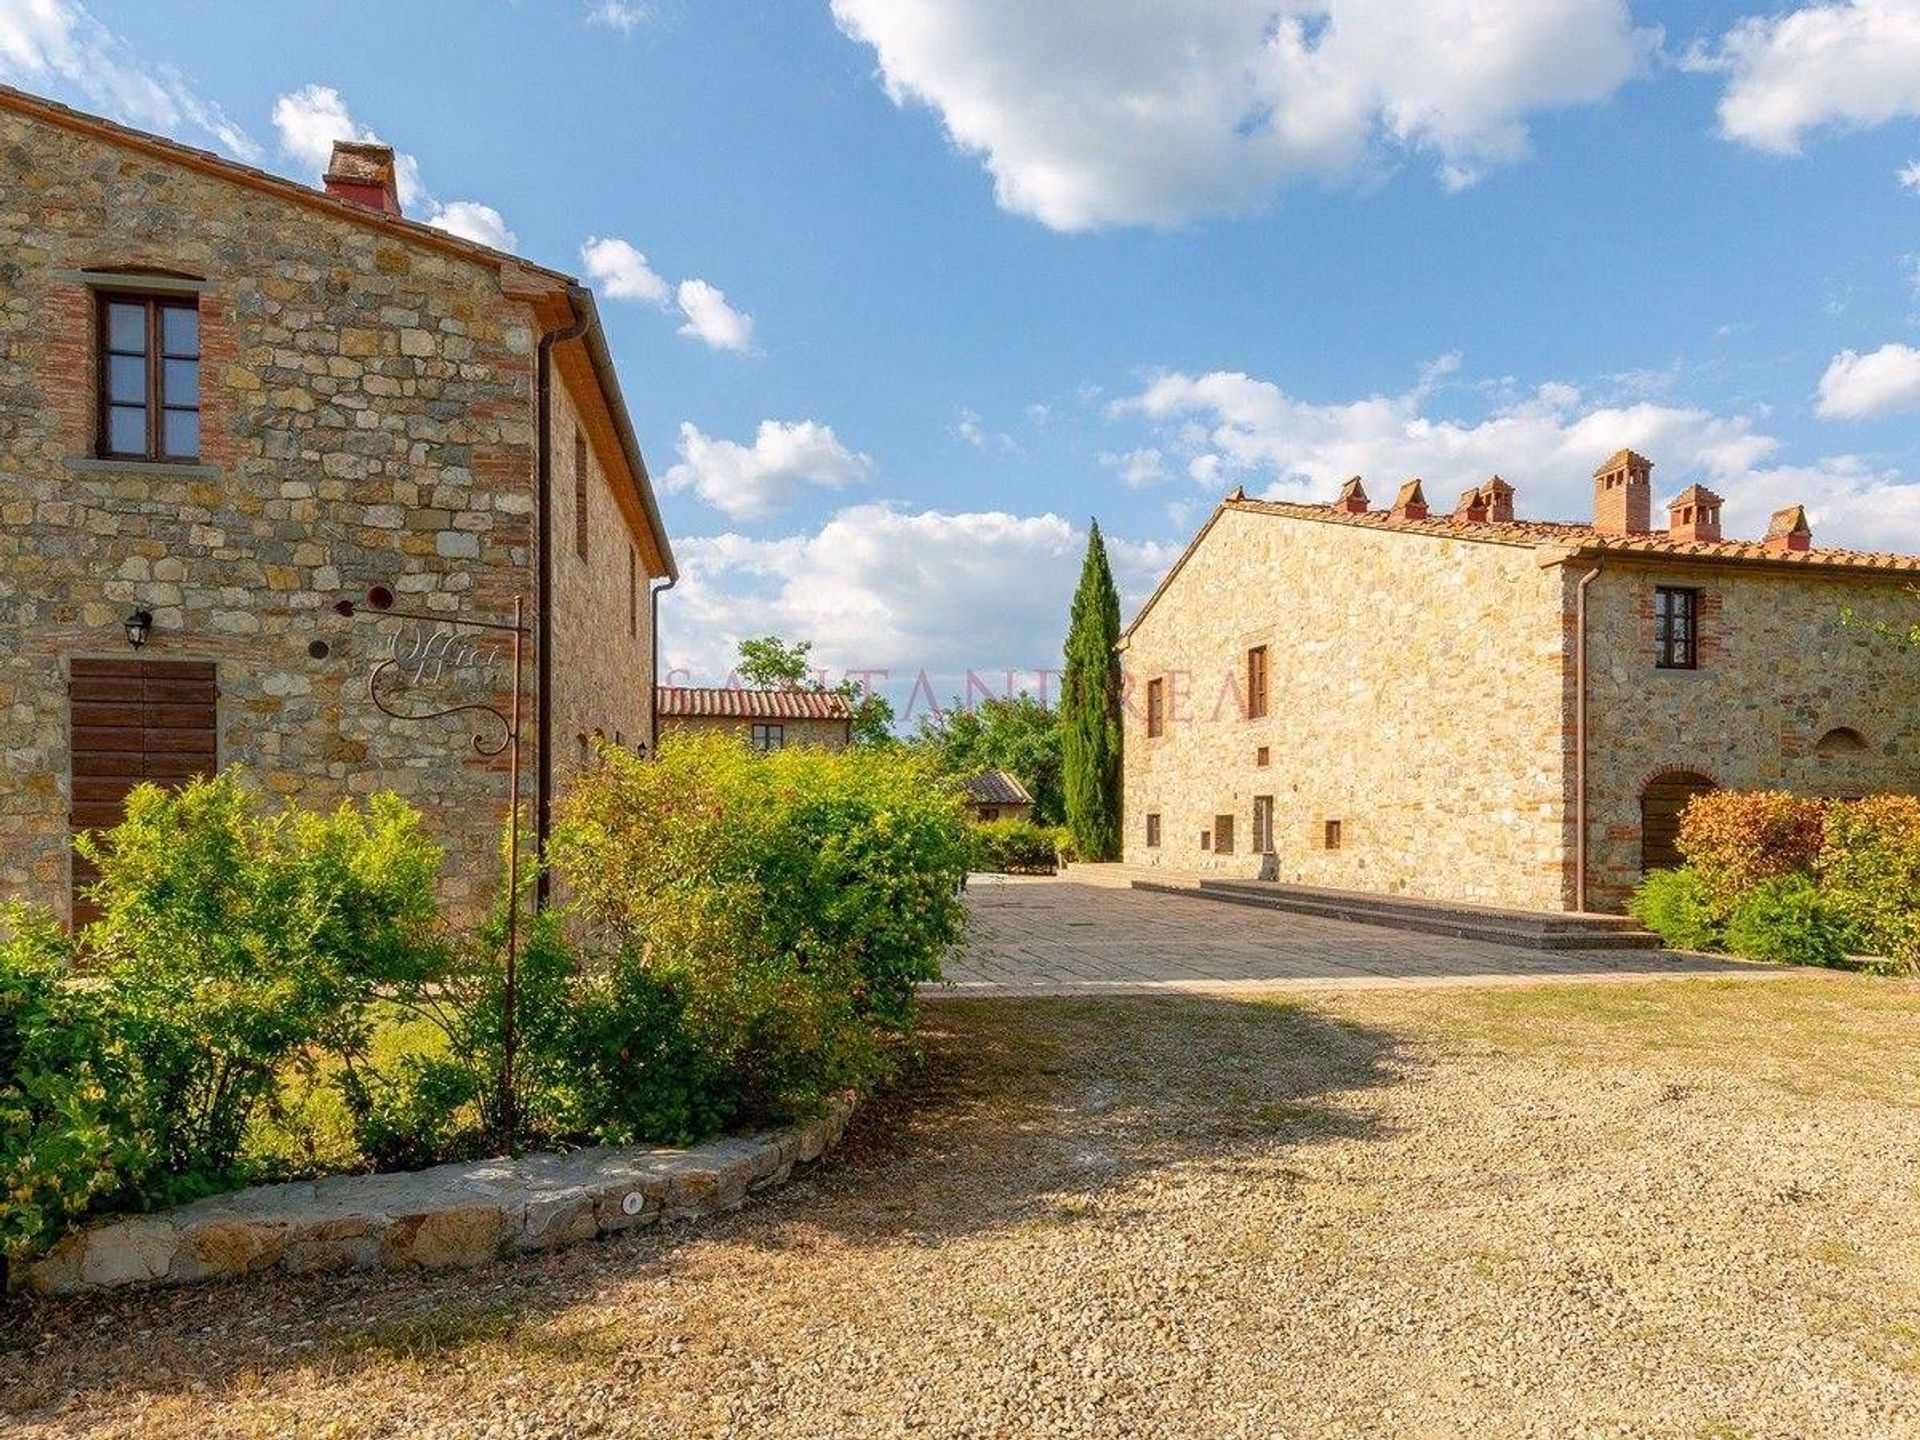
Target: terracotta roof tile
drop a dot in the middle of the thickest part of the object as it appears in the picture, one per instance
(1560, 534)
(733, 702)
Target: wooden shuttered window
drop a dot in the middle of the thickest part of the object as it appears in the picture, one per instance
(1257, 682)
(1156, 708)
(131, 721)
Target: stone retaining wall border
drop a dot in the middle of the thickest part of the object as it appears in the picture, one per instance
(451, 1215)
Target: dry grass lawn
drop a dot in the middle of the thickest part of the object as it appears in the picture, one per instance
(1686, 1208)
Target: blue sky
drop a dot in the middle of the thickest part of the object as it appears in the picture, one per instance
(985, 269)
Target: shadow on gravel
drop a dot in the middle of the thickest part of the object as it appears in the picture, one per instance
(1018, 1113)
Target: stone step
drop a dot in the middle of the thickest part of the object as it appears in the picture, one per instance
(1522, 929)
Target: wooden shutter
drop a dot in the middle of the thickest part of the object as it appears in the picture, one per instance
(134, 720)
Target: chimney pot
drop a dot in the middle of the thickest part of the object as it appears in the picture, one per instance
(1694, 515)
(1788, 530)
(1623, 495)
(1410, 503)
(362, 171)
(1353, 498)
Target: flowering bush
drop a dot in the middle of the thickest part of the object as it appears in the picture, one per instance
(1733, 839)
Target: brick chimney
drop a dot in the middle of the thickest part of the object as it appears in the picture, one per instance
(1353, 498)
(1472, 507)
(1788, 530)
(1497, 496)
(362, 171)
(1694, 515)
(1623, 495)
(1410, 503)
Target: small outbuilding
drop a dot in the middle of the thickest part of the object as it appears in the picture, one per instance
(998, 795)
(767, 719)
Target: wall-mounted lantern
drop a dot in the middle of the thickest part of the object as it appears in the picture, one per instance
(139, 625)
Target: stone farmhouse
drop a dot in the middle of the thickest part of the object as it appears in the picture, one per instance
(765, 719)
(1476, 707)
(228, 401)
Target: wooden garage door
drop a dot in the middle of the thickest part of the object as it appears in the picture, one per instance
(1661, 805)
(134, 720)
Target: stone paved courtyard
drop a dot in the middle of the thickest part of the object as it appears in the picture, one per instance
(1086, 933)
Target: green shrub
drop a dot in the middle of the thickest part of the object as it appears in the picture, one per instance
(1014, 847)
(231, 940)
(1787, 920)
(64, 1142)
(787, 904)
(1734, 839)
(1676, 906)
(1063, 845)
(1870, 874)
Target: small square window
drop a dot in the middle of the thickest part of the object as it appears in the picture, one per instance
(1330, 835)
(1263, 757)
(769, 737)
(1153, 832)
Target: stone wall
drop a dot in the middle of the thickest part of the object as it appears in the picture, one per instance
(1417, 688)
(603, 626)
(367, 417)
(826, 734)
(1778, 670)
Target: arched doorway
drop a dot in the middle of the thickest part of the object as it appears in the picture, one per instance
(1661, 805)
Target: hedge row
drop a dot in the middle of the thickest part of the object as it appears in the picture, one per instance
(1791, 878)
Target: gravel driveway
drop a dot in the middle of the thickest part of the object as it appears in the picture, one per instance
(1684, 1207)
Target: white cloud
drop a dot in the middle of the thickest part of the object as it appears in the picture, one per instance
(1909, 175)
(471, 220)
(1236, 429)
(1138, 468)
(878, 588)
(753, 481)
(711, 319)
(622, 271)
(1091, 113)
(1884, 382)
(626, 16)
(1852, 63)
(310, 119)
(46, 44)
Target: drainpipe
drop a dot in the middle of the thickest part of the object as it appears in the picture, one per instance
(1580, 738)
(653, 700)
(543, 622)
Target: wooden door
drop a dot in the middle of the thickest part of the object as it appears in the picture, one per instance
(1661, 804)
(134, 720)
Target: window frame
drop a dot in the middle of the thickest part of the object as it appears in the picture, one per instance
(1332, 835)
(1262, 836)
(154, 359)
(1666, 644)
(1153, 829)
(1223, 836)
(1156, 708)
(767, 736)
(1258, 682)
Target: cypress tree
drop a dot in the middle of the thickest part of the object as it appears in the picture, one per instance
(1090, 709)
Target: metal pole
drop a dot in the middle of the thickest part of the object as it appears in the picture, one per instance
(508, 998)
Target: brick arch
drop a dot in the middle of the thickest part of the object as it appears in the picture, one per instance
(1664, 795)
(1840, 740)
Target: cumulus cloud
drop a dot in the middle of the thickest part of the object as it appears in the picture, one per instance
(622, 271)
(1234, 428)
(750, 482)
(1859, 387)
(1087, 113)
(880, 588)
(1848, 64)
(308, 121)
(49, 45)
(618, 268)
(711, 319)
